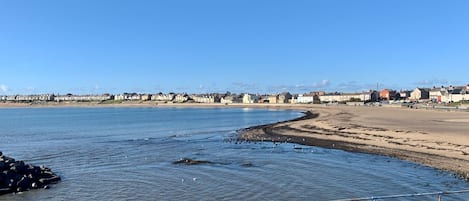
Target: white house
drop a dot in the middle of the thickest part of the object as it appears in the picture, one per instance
(181, 98)
(83, 98)
(250, 98)
(457, 95)
(230, 99)
(420, 94)
(305, 99)
(203, 99)
(162, 97)
(344, 97)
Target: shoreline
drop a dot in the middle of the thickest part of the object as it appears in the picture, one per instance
(319, 127)
(137, 104)
(433, 138)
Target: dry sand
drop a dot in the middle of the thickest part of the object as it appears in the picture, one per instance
(438, 139)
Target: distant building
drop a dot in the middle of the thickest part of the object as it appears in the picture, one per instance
(181, 98)
(203, 98)
(83, 98)
(449, 94)
(264, 99)
(128, 97)
(404, 94)
(11, 98)
(439, 94)
(162, 97)
(145, 97)
(119, 97)
(345, 97)
(133, 97)
(284, 97)
(273, 99)
(305, 98)
(458, 94)
(250, 98)
(420, 94)
(230, 99)
(293, 99)
(31, 98)
(388, 94)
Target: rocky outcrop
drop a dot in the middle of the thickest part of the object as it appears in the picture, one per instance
(189, 161)
(16, 176)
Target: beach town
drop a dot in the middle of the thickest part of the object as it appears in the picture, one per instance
(443, 96)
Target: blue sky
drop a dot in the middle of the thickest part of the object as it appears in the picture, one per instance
(148, 46)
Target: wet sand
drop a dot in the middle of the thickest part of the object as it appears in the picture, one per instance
(438, 139)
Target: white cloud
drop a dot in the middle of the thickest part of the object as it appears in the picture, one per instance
(3, 88)
(244, 87)
(299, 88)
(350, 86)
(432, 82)
(322, 84)
(354, 86)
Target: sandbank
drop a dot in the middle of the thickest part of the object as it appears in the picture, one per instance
(439, 139)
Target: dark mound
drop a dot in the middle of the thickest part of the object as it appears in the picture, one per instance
(16, 176)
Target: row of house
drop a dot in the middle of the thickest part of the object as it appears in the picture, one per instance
(29, 98)
(449, 94)
(58, 98)
(82, 98)
(313, 97)
(281, 98)
(369, 96)
(436, 94)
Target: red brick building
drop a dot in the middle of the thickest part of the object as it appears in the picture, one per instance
(387, 94)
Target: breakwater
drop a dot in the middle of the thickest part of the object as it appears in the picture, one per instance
(17, 176)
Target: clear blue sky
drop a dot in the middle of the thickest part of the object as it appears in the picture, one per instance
(97, 46)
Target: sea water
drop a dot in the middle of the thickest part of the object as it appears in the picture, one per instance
(128, 154)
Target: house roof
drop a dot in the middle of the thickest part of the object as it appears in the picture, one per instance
(424, 89)
(456, 91)
(438, 89)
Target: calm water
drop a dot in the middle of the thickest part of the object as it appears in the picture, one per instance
(127, 154)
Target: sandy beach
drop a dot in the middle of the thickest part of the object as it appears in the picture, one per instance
(438, 139)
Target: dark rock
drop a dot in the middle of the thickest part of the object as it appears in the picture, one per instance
(44, 168)
(8, 160)
(9, 175)
(4, 191)
(16, 176)
(24, 182)
(20, 167)
(11, 184)
(49, 179)
(36, 171)
(188, 161)
(34, 185)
